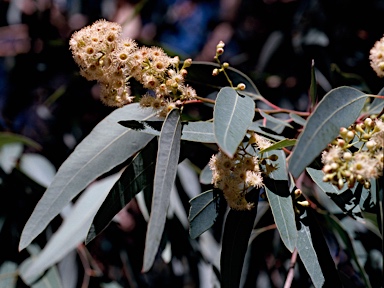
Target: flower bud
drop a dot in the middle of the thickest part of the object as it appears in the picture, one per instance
(350, 135)
(347, 156)
(241, 86)
(220, 45)
(219, 51)
(225, 65)
(368, 122)
(343, 132)
(367, 185)
(215, 72)
(187, 63)
(371, 145)
(303, 203)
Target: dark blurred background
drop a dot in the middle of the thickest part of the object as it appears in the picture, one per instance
(43, 97)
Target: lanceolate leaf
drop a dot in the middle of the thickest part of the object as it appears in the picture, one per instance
(279, 145)
(165, 174)
(308, 255)
(345, 238)
(73, 230)
(237, 230)
(137, 176)
(339, 108)
(377, 104)
(275, 120)
(297, 119)
(279, 198)
(233, 115)
(206, 175)
(109, 144)
(314, 252)
(203, 213)
(8, 137)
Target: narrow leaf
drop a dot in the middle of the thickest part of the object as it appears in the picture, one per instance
(339, 108)
(258, 127)
(279, 145)
(8, 137)
(277, 189)
(109, 144)
(377, 104)
(233, 115)
(237, 230)
(137, 176)
(73, 230)
(308, 255)
(203, 213)
(314, 252)
(297, 119)
(165, 174)
(275, 120)
(313, 86)
(346, 239)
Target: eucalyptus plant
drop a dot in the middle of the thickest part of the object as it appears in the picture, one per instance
(338, 145)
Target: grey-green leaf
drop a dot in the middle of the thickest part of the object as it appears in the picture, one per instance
(233, 115)
(377, 104)
(278, 122)
(297, 119)
(206, 175)
(73, 230)
(203, 213)
(279, 198)
(165, 174)
(339, 108)
(108, 145)
(308, 255)
(137, 176)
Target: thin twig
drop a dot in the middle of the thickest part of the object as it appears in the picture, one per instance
(291, 271)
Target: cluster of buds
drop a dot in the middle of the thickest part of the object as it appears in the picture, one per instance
(377, 57)
(238, 175)
(225, 65)
(341, 165)
(104, 56)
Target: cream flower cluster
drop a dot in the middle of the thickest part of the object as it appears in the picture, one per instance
(104, 56)
(366, 163)
(377, 57)
(238, 175)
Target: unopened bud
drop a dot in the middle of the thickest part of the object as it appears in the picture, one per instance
(303, 203)
(187, 63)
(341, 142)
(367, 185)
(340, 183)
(183, 72)
(343, 132)
(347, 156)
(215, 72)
(219, 51)
(225, 65)
(350, 135)
(220, 45)
(371, 145)
(241, 86)
(368, 122)
(297, 193)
